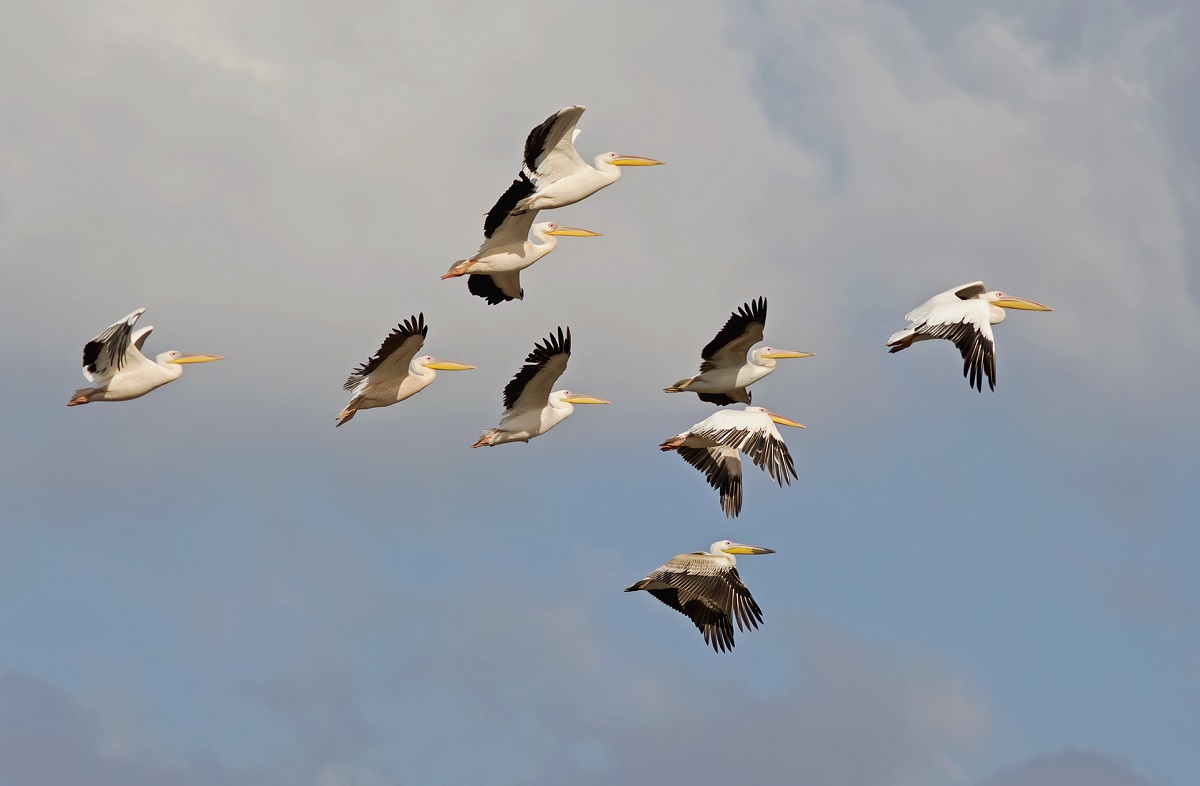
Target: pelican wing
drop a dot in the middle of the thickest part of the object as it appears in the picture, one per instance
(743, 330)
(709, 591)
(968, 325)
(530, 388)
(112, 350)
(512, 232)
(520, 188)
(496, 287)
(723, 470)
(140, 336)
(550, 149)
(761, 443)
(394, 355)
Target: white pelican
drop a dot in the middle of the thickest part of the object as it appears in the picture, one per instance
(113, 361)
(706, 587)
(553, 175)
(395, 372)
(712, 446)
(495, 269)
(726, 370)
(530, 409)
(964, 315)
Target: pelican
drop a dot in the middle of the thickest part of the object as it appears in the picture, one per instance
(712, 446)
(964, 315)
(395, 372)
(530, 409)
(726, 370)
(706, 587)
(114, 361)
(495, 269)
(553, 175)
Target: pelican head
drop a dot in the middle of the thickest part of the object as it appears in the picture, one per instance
(616, 159)
(550, 228)
(729, 547)
(780, 419)
(429, 361)
(579, 398)
(175, 356)
(998, 298)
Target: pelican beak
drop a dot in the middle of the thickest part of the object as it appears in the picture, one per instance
(573, 232)
(787, 353)
(1021, 303)
(581, 399)
(634, 161)
(196, 359)
(448, 365)
(741, 548)
(781, 420)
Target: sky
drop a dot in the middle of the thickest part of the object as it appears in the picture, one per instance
(212, 585)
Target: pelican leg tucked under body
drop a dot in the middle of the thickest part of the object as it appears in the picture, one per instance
(114, 363)
(530, 407)
(963, 315)
(706, 587)
(728, 366)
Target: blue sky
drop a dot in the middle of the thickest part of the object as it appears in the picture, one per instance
(212, 585)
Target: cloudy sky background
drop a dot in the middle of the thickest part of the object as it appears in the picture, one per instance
(211, 585)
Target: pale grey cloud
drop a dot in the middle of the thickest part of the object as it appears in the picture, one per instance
(1070, 768)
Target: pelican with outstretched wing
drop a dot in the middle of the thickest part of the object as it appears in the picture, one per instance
(113, 362)
(395, 373)
(963, 315)
(713, 444)
(706, 588)
(728, 366)
(530, 407)
(552, 173)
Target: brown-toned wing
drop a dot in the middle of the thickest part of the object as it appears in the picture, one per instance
(395, 353)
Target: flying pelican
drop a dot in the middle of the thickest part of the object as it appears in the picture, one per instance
(964, 315)
(726, 370)
(706, 587)
(114, 362)
(494, 271)
(395, 372)
(712, 446)
(552, 173)
(530, 409)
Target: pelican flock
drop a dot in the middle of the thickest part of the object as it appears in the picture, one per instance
(113, 362)
(704, 586)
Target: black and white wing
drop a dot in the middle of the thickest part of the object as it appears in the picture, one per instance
(755, 436)
(709, 592)
(394, 355)
(112, 350)
(520, 188)
(959, 316)
(496, 287)
(511, 232)
(550, 147)
(531, 386)
(742, 330)
(723, 469)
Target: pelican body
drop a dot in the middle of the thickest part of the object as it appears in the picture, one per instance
(113, 361)
(963, 315)
(553, 174)
(706, 587)
(395, 373)
(494, 270)
(713, 444)
(530, 407)
(728, 366)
